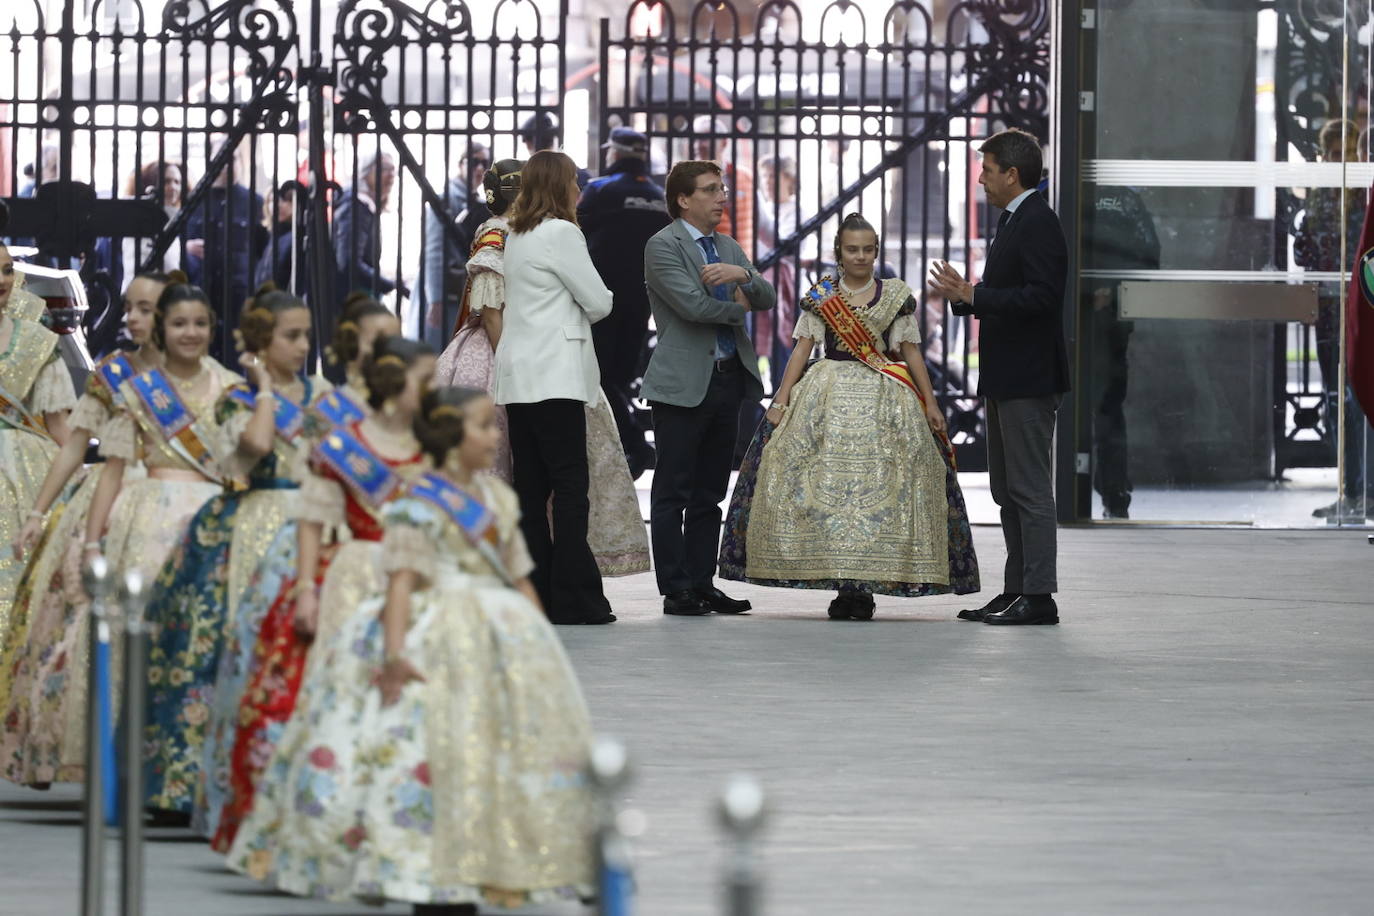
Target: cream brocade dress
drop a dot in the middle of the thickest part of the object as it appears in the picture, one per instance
(615, 524)
(851, 486)
(32, 372)
(470, 788)
(42, 733)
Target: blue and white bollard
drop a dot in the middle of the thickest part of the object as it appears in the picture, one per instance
(96, 578)
(135, 711)
(742, 811)
(609, 771)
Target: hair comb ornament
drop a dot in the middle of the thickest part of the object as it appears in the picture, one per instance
(391, 359)
(446, 410)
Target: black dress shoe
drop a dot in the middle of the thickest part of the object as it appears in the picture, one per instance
(1027, 611)
(1000, 603)
(582, 621)
(721, 603)
(685, 603)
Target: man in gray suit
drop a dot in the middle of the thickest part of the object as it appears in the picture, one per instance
(700, 288)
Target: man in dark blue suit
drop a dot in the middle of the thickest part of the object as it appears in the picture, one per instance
(619, 212)
(1023, 370)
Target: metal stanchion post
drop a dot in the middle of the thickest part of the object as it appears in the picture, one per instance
(742, 811)
(96, 578)
(135, 694)
(610, 772)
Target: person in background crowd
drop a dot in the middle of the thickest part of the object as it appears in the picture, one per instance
(358, 229)
(224, 236)
(443, 264)
(1317, 246)
(619, 212)
(777, 220)
(275, 265)
(540, 131)
(712, 142)
(701, 288)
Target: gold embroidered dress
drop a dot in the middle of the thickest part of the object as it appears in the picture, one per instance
(33, 382)
(470, 788)
(851, 490)
(42, 733)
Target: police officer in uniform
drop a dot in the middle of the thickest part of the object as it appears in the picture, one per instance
(619, 212)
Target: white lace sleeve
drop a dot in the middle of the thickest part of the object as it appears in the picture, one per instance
(906, 329)
(119, 438)
(514, 551)
(488, 291)
(90, 414)
(322, 500)
(406, 547)
(809, 324)
(52, 390)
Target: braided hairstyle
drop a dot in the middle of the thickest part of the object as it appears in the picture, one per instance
(384, 371)
(347, 345)
(853, 222)
(176, 292)
(501, 185)
(439, 424)
(258, 322)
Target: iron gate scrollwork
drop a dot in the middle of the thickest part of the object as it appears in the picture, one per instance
(816, 116)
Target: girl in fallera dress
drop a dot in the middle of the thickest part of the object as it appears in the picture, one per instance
(615, 526)
(36, 395)
(353, 469)
(436, 755)
(264, 654)
(165, 420)
(42, 738)
(850, 483)
(194, 603)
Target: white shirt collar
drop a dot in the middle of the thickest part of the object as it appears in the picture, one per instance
(694, 232)
(1016, 201)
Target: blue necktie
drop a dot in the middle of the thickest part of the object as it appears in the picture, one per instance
(725, 335)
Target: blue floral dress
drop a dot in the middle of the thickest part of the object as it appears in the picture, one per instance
(195, 601)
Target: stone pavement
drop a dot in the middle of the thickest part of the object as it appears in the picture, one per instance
(1197, 738)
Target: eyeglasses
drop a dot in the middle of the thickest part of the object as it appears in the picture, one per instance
(714, 189)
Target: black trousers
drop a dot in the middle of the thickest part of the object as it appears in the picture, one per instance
(696, 448)
(548, 443)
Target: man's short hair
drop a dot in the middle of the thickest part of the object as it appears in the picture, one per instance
(1017, 149)
(683, 180)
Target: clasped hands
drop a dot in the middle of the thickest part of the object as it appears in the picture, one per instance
(718, 274)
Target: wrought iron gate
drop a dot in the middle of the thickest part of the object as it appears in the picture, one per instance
(249, 139)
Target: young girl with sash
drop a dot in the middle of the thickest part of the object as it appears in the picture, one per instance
(353, 470)
(36, 394)
(615, 526)
(42, 733)
(264, 629)
(850, 482)
(437, 753)
(195, 600)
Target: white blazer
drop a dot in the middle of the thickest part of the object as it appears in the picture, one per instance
(553, 296)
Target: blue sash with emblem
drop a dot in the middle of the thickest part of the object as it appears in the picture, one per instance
(113, 372)
(287, 416)
(173, 419)
(476, 521)
(370, 478)
(338, 409)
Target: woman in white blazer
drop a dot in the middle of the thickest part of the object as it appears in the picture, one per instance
(545, 374)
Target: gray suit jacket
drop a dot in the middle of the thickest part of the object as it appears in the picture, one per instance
(686, 315)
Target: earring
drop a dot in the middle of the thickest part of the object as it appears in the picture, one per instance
(389, 407)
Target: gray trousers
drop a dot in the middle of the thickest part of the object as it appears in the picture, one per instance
(1021, 476)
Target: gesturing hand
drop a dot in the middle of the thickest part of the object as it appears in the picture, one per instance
(395, 675)
(947, 282)
(256, 370)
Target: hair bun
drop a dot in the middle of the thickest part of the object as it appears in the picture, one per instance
(177, 276)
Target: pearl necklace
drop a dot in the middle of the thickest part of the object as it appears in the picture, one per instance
(855, 292)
